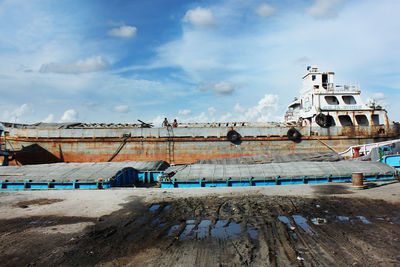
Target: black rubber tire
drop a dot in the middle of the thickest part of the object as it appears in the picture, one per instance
(293, 134)
(233, 136)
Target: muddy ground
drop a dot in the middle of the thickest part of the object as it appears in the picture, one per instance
(245, 230)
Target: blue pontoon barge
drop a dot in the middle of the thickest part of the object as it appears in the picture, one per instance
(225, 175)
(99, 175)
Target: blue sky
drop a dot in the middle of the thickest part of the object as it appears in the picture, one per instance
(198, 61)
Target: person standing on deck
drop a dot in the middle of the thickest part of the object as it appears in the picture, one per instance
(165, 123)
(175, 123)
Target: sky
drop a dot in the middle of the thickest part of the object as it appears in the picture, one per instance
(197, 61)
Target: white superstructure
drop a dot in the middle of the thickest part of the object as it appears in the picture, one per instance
(324, 103)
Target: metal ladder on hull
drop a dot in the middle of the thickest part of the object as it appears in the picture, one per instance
(170, 145)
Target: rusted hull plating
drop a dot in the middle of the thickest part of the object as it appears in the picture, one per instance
(183, 145)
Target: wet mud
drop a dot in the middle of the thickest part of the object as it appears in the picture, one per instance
(214, 231)
(40, 201)
(331, 189)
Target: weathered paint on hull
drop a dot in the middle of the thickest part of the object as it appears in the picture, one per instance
(176, 150)
(182, 145)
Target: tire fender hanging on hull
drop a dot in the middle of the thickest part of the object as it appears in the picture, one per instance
(294, 135)
(233, 136)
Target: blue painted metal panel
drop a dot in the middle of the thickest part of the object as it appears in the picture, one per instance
(27, 185)
(13, 186)
(126, 177)
(148, 177)
(141, 176)
(277, 181)
(155, 176)
(38, 186)
(392, 160)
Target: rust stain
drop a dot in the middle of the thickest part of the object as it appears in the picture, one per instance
(183, 150)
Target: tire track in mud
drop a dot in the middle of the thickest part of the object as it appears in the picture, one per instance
(228, 231)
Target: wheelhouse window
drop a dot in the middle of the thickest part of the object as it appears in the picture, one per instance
(331, 100)
(349, 100)
(324, 80)
(362, 120)
(345, 120)
(313, 77)
(375, 119)
(295, 106)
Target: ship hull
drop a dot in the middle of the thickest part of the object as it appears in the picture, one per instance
(182, 145)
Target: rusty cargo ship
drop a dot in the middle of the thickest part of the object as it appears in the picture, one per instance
(326, 117)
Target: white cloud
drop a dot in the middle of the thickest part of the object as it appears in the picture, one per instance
(185, 112)
(22, 110)
(211, 110)
(123, 31)
(378, 99)
(264, 10)
(268, 101)
(158, 121)
(121, 109)
(18, 114)
(202, 117)
(69, 115)
(239, 108)
(91, 64)
(227, 117)
(378, 96)
(200, 17)
(49, 118)
(219, 88)
(264, 111)
(324, 9)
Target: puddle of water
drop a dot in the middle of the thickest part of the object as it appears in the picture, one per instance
(218, 230)
(202, 229)
(233, 230)
(302, 222)
(252, 232)
(190, 221)
(318, 221)
(285, 220)
(204, 223)
(185, 233)
(162, 224)
(154, 207)
(343, 218)
(363, 219)
(172, 230)
(167, 207)
(223, 231)
(220, 223)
